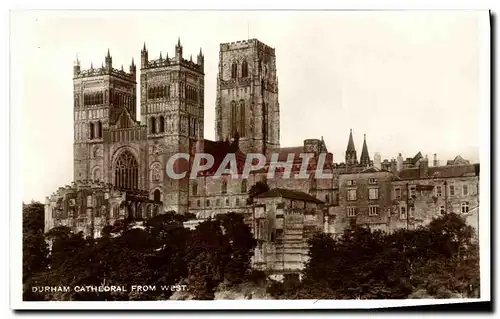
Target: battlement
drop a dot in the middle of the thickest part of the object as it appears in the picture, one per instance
(79, 185)
(244, 44)
(104, 71)
(167, 62)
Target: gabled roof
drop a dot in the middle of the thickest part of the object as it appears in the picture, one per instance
(290, 194)
(123, 117)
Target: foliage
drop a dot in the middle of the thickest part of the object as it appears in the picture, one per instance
(440, 259)
(158, 252)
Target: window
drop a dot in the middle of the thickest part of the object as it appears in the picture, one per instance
(452, 190)
(373, 210)
(464, 207)
(234, 70)
(237, 202)
(162, 124)
(439, 191)
(198, 203)
(208, 202)
(402, 212)
(223, 189)
(195, 188)
(152, 125)
(351, 182)
(217, 202)
(397, 192)
(351, 194)
(156, 195)
(372, 181)
(465, 190)
(441, 210)
(373, 193)
(351, 211)
(411, 213)
(244, 186)
(126, 171)
(327, 199)
(91, 129)
(99, 129)
(227, 201)
(413, 191)
(244, 69)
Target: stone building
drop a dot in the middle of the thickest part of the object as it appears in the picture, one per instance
(87, 206)
(283, 220)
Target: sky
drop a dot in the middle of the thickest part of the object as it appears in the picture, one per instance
(409, 80)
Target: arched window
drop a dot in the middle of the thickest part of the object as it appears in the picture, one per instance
(99, 129)
(234, 117)
(244, 186)
(234, 70)
(157, 195)
(223, 189)
(244, 69)
(241, 129)
(126, 171)
(91, 128)
(152, 125)
(162, 124)
(195, 188)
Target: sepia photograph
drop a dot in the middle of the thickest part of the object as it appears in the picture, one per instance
(249, 159)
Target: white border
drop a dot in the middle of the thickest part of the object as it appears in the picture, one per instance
(16, 256)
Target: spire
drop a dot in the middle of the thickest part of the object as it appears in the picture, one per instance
(91, 65)
(350, 144)
(160, 55)
(77, 62)
(201, 53)
(133, 64)
(144, 47)
(179, 41)
(191, 57)
(109, 55)
(350, 154)
(365, 158)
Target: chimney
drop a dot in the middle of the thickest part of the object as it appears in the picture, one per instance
(435, 162)
(424, 168)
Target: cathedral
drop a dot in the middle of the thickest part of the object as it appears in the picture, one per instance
(120, 161)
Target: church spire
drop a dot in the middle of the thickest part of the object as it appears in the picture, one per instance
(350, 153)
(365, 158)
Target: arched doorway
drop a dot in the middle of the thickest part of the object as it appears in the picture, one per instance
(126, 171)
(157, 195)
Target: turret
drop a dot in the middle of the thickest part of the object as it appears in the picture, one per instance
(178, 50)
(200, 60)
(144, 57)
(132, 68)
(109, 62)
(76, 67)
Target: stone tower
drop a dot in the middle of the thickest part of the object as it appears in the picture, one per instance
(247, 96)
(350, 153)
(172, 107)
(100, 95)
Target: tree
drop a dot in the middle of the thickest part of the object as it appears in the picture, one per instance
(35, 249)
(257, 189)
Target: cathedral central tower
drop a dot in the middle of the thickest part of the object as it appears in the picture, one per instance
(247, 96)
